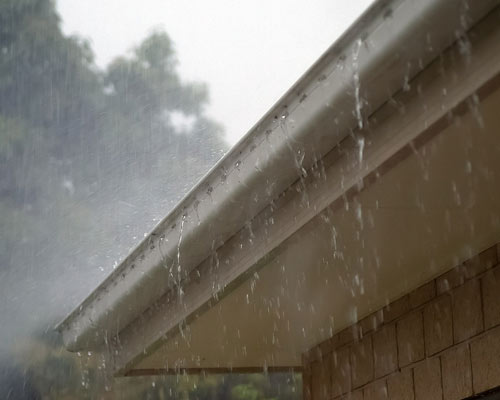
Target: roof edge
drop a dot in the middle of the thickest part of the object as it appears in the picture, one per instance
(324, 92)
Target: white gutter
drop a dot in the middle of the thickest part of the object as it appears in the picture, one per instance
(385, 47)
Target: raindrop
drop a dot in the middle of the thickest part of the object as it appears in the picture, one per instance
(458, 199)
(354, 314)
(473, 104)
(359, 214)
(357, 85)
(406, 84)
(183, 220)
(468, 167)
(361, 148)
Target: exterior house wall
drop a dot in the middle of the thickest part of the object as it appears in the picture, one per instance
(441, 341)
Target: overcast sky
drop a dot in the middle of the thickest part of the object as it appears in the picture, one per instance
(249, 52)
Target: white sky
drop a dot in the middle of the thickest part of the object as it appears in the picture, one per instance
(249, 52)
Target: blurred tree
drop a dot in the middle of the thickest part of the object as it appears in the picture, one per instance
(57, 374)
(70, 132)
(88, 159)
(13, 384)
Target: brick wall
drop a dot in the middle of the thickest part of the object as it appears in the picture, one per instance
(441, 341)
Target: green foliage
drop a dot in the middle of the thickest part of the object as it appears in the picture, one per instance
(86, 156)
(58, 374)
(70, 133)
(245, 392)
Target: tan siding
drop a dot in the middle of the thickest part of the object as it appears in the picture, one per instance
(442, 341)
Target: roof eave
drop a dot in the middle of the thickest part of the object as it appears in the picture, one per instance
(375, 51)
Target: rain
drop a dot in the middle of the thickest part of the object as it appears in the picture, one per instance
(95, 149)
(241, 203)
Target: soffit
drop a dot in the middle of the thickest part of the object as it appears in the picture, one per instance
(434, 209)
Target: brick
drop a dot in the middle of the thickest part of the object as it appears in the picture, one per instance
(457, 376)
(320, 378)
(423, 294)
(306, 362)
(348, 335)
(396, 309)
(385, 350)
(491, 292)
(341, 371)
(469, 269)
(376, 391)
(467, 311)
(410, 336)
(485, 260)
(307, 358)
(315, 354)
(372, 322)
(326, 346)
(334, 341)
(362, 362)
(438, 325)
(485, 359)
(400, 385)
(427, 376)
(451, 279)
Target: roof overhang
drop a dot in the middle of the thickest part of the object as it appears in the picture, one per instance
(337, 131)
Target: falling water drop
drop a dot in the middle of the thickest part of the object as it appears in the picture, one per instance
(356, 81)
(361, 148)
